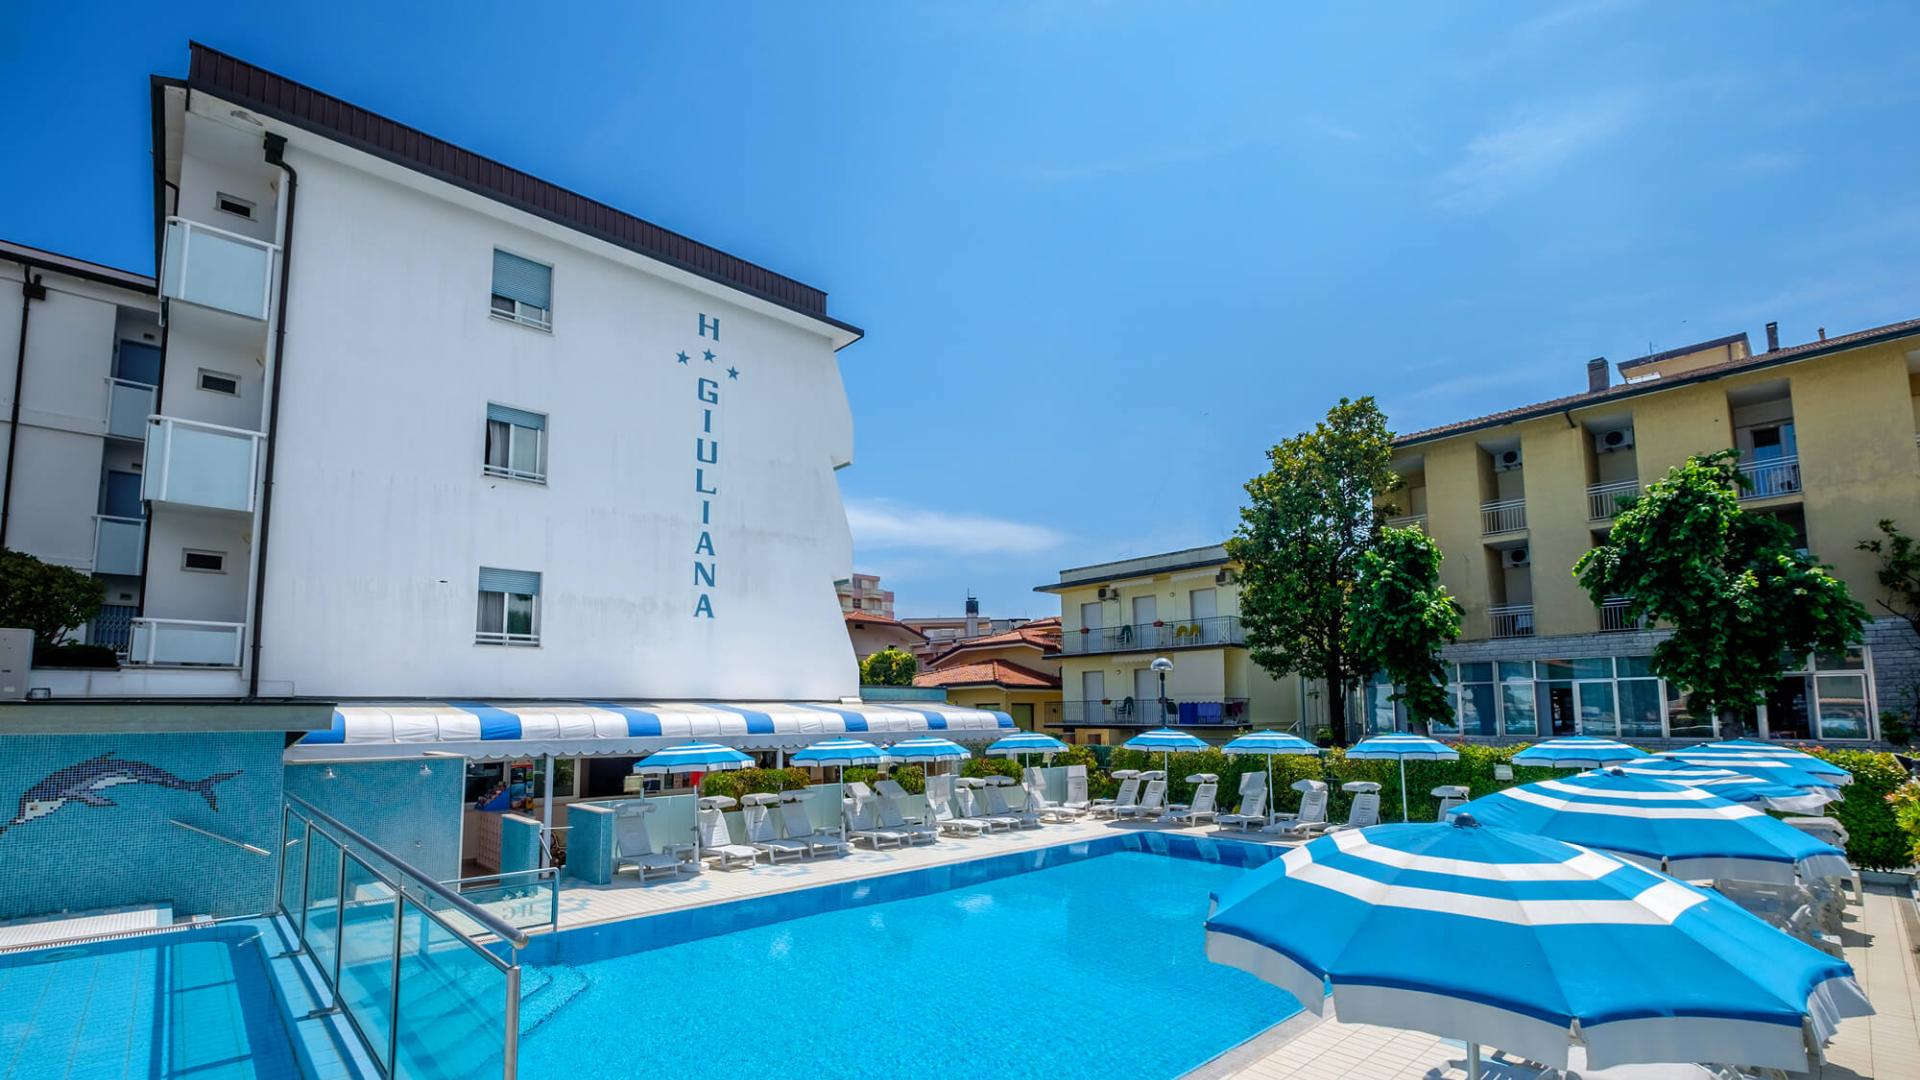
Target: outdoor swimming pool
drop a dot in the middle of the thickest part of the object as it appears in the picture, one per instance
(1082, 960)
(195, 1003)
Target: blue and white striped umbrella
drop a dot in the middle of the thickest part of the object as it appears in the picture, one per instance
(1685, 831)
(1771, 769)
(1026, 742)
(1731, 784)
(1406, 747)
(1754, 748)
(1165, 740)
(1577, 752)
(693, 757)
(928, 749)
(1270, 743)
(1528, 944)
(840, 752)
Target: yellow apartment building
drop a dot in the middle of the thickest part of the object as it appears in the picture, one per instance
(1827, 435)
(1181, 606)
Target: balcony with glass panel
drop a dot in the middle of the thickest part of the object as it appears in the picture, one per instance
(118, 544)
(201, 466)
(1154, 636)
(128, 406)
(217, 269)
(186, 643)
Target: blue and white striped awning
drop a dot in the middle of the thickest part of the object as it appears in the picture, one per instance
(492, 731)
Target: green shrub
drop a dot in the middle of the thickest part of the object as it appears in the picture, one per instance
(1875, 838)
(740, 783)
(991, 766)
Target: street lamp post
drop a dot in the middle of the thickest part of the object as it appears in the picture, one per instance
(1160, 666)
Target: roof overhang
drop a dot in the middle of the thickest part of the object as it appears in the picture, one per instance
(154, 716)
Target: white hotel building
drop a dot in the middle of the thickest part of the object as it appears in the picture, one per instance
(399, 426)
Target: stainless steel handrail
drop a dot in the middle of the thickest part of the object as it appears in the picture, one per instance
(246, 847)
(493, 923)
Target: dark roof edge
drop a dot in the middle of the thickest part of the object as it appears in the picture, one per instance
(1813, 350)
(232, 79)
(1654, 358)
(1081, 583)
(55, 263)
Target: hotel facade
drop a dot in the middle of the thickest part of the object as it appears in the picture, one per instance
(1826, 433)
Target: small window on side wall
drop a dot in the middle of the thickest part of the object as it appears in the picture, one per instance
(219, 382)
(516, 444)
(509, 607)
(203, 562)
(233, 204)
(522, 290)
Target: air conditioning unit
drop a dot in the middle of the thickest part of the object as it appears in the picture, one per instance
(1606, 442)
(1516, 557)
(1109, 594)
(1506, 460)
(1225, 577)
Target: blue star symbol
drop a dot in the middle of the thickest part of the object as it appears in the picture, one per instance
(733, 373)
(683, 357)
(709, 355)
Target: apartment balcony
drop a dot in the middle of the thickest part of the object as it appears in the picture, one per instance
(1770, 478)
(118, 544)
(1505, 516)
(186, 643)
(1614, 618)
(1511, 620)
(1410, 521)
(204, 466)
(1154, 636)
(1185, 711)
(128, 406)
(217, 269)
(1604, 500)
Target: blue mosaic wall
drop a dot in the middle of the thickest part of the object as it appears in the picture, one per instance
(411, 808)
(84, 821)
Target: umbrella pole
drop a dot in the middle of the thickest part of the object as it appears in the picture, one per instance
(1404, 816)
(546, 817)
(1473, 1061)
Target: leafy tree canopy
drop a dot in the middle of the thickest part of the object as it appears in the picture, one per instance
(1899, 571)
(1730, 583)
(891, 666)
(1400, 618)
(47, 599)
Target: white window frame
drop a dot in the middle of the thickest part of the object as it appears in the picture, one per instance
(515, 433)
(187, 552)
(200, 382)
(503, 636)
(520, 313)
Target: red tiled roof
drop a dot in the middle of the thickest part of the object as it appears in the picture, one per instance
(881, 620)
(1634, 389)
(1044, 638)
(989, 673)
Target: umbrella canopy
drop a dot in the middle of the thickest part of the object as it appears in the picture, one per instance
(1026, 742)
(1685, 831)
(928, 749)
(1270, 743)
(1405, 747)
(1165, 740)
(841, 752)
(1731, 784)
(1771, 769)
(1754, 748)
(693, 757)
(1577, 752)
(1499, 937)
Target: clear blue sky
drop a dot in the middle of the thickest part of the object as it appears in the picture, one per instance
(1107, 253)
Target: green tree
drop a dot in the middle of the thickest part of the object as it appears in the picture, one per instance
(1899, 571)
(1307, 521)
(1731, 584)
(1399, 618)
(890, 666)
(49, 600)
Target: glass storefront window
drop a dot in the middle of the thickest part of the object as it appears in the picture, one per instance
(1478, 715)
(1596, 710)
(1557, 715)
(1516, 706)
(1640, 708)
(1631, 667)
(1842, 703)
(1682, 724)
(1472, 673)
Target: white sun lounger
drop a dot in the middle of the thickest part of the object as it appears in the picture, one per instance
(1128, 795)
(1450, 796)
(1365, 811)
(969, 793)
(940, 804)
(716, 840)
(1206, 790)
(796, 826)
(763, 828)
(856, 810)
(1253, 804)
(997, 805)
(633, 846)
(1035, 786)
(1153, 800)
(1076, 801)
(1310, 819)
(886, 810)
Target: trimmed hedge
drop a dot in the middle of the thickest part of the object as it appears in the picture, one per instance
(1875, 838)
(739, 783)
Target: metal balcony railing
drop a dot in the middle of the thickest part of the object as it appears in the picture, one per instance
(1165, 634)
(118, 544)
(1511, 620)
(217, 269)
(1184, 710)
(1603, 500)
(186, 643)
(1508, 515)
(1410, 521)
(189, 463)
(1770, 478)
(128, 406)
(1614, 618)
(113, 626)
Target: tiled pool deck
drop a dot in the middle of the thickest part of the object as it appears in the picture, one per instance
(1880, 938)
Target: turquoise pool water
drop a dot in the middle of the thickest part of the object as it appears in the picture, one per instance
(1080, 961)
(194, 1004)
